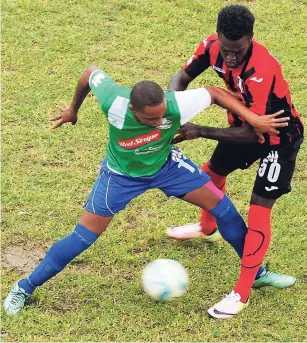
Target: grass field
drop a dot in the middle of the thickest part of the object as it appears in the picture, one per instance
(47, 175)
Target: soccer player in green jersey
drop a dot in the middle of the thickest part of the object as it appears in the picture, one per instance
(140, 156)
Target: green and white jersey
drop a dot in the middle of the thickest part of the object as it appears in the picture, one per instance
(136, 149)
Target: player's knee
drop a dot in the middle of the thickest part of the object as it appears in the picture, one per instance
(225, 210)
(261, 201)
(229, 221)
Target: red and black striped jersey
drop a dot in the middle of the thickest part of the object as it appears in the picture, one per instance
(258, 82)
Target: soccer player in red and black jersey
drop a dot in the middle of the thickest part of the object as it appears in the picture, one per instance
(255, 77)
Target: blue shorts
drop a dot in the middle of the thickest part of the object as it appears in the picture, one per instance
(112, 192)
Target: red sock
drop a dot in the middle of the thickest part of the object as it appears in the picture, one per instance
(256, 244)
(207, 221)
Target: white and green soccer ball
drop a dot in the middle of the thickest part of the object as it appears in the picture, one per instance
(165, 279)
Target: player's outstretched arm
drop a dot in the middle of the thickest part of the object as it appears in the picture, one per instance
(232, 135)
(261, 124)
(69, 114)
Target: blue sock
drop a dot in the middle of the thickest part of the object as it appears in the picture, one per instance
(231, 226)
(58, 256)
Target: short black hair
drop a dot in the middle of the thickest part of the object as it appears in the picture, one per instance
(235, 22)
(146, 93)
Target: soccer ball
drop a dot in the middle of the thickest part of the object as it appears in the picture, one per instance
(165, 279)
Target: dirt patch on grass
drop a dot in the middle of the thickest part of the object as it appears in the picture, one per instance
(25, 259)
(131, 223)
(82, 268)
(22, 258)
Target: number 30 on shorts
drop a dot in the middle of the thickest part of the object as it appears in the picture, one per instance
(274, 169)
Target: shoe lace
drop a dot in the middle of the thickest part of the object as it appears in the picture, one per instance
(18, 296)
(268, 273)
(232, 296)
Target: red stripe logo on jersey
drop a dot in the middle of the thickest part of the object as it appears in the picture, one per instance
(138, 141)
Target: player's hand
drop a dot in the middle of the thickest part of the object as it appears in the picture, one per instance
(186, 132)
(269, 124)
(66, 116)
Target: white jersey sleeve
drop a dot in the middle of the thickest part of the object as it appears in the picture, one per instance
(191, 102)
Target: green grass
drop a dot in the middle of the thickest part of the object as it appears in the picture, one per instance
(46, 175)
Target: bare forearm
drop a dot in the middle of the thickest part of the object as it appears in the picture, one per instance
(234, 135)
(82, 89)
(226, 100)
(79, 96)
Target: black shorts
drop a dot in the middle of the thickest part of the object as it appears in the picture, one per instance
(276, 165)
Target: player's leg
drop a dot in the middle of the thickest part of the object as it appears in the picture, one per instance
(273, 180)
(186, 181)
(207, 227)
(199, 191)
(218, 176)
(225, 159)
(256, 243)
(110, 194)
(229, 221)
(62, 252)
(232, 228)
(58, 256)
